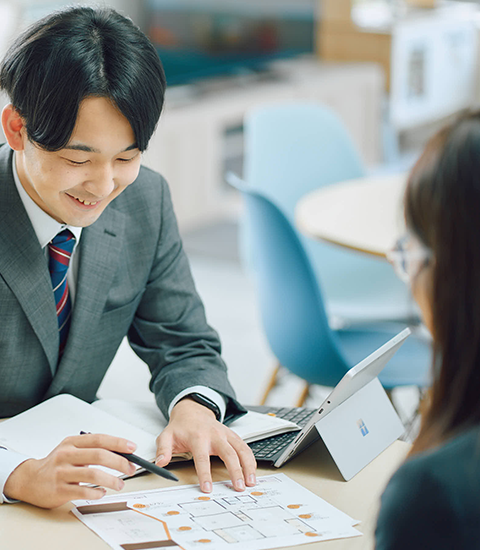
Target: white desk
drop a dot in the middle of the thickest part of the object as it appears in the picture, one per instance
(364, 214)
(24, 527)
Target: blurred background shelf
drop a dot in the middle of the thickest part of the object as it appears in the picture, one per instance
(429, 56)
(392, 72)
(197, 142)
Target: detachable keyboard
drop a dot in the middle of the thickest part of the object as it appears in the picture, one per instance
(268, 448)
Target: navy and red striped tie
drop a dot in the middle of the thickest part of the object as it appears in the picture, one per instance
(60, 250)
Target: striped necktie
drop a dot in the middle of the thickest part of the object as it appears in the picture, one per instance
(60, 250)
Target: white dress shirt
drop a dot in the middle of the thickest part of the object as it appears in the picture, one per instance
(46, 228)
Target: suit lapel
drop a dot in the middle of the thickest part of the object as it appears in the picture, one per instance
(24, 268)
(100, 247)
(23, 265)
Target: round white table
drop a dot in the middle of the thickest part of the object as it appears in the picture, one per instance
(364, 214)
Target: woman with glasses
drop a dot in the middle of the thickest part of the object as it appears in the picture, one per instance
(433, 501)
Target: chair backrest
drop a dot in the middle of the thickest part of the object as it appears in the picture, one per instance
(290, 300)
(292, 148)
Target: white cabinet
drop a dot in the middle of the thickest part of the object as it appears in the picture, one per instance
(434, 66)
(189, 146)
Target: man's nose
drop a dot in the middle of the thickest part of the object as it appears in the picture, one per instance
(101, 182)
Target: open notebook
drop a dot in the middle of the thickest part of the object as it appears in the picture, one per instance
(37, 431)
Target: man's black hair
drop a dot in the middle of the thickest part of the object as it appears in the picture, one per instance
(77, 53)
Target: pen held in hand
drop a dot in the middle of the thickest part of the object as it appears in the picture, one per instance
(148, 466)
(153, 468)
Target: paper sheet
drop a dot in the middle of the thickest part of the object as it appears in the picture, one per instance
(277, 512)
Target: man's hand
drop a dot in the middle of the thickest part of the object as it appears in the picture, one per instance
(194, 428)
(55, 479)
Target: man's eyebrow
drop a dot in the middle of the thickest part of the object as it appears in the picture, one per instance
(88, 149)
(130, 147)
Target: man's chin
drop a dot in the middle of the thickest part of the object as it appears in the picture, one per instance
(82, 221)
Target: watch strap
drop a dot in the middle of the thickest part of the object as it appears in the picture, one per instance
(206, 402)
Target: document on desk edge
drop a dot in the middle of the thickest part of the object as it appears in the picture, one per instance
(277, 512)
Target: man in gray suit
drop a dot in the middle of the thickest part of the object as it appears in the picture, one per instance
(90, 252)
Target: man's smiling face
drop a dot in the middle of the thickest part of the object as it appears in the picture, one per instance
(75, 184)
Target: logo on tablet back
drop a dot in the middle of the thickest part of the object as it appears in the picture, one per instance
(362, 427)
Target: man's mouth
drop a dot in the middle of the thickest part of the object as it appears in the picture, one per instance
(83, 201)
(88, 203)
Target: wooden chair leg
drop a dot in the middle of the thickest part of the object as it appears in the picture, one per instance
(303, 395)
(271, 383)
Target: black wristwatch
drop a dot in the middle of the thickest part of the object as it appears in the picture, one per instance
(206, 402)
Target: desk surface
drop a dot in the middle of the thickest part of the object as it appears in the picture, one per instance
(24, 527)
(364, 214)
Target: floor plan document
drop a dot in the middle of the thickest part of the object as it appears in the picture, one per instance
(277, 512)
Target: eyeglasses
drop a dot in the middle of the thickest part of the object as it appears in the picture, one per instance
(408, 257)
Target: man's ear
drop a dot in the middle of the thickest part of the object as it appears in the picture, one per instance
(13, 127)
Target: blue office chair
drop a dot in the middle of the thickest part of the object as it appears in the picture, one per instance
(291, 149)
(294, 317)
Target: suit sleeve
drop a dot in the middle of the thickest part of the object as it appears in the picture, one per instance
(416, 513)
(169, 331)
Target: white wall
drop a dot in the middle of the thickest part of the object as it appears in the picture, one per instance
(34, 9)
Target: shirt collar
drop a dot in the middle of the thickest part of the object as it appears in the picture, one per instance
(44, 225)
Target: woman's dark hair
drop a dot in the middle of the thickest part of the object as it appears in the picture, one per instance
(78, 53)
(442, 209)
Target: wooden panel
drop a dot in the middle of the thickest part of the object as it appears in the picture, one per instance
(338, 43)
(423, 3)
(336, 11)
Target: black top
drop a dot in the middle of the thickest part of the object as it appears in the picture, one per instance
(433, 500)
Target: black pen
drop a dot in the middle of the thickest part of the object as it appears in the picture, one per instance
(145, 464)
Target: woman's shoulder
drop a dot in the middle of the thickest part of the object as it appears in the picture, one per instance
(434, 495)
(454, 465)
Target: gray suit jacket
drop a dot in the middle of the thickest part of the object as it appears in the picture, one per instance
(133, 279)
